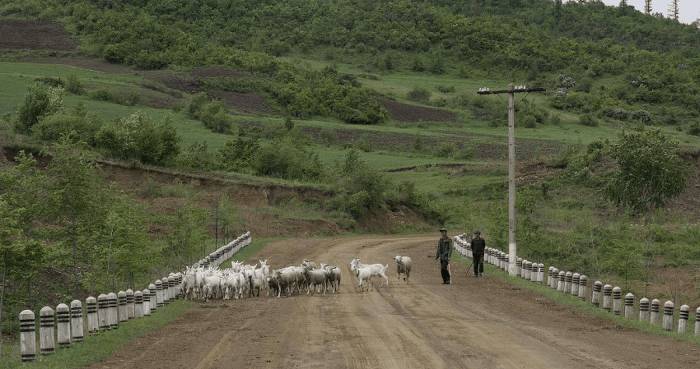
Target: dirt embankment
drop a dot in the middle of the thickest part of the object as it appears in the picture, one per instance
(413, 113)
(473, 323)
(34, 35)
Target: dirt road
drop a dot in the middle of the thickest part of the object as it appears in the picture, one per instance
(472, 323)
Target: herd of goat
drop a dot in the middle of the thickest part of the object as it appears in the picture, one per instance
(244, 280)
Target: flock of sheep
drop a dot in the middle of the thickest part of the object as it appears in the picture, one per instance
(245, 280)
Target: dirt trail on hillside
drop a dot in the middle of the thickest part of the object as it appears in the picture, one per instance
(472, 323)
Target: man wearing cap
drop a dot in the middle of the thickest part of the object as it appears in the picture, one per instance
(444, 252)
(478, 245)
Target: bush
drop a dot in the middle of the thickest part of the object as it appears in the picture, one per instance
(197, 156)
(446, 150)
(446, 89)
(284, 159)
(419, 94)
(53, 127)
(38, 103)
(360, 188)
(588, 120)
(238, 154)
(101, 95)
(138, 137)
(650, 171)
(73, 85)
(529, 121)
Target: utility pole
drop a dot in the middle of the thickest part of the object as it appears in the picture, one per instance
(647, 7)
(511, 91)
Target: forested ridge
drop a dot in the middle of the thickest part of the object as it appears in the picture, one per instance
(620, 63)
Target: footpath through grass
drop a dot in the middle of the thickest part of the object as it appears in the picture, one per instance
(587, 308)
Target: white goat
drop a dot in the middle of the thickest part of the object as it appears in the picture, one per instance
(403, 266)
(365, 272)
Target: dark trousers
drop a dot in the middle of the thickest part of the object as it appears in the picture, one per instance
(443, 270)
(478, 264)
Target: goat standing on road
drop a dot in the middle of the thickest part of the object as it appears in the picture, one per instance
(403, 266)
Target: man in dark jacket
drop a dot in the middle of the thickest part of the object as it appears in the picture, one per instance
(444, 252)
(478, 245)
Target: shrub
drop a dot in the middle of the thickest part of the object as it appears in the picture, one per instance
(238, 154)
(138, 137)
(588, 120)
(650, 171)
(529, 121)
(446, 89)
(53, 127)
(73, 85)
(446, 150)
(38, 103)
(284, 159)
(101, 95)
(197, 156)
(361, 189)
(419, 94)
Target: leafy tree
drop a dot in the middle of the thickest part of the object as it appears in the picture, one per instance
(39, 102)
(649, 171)
(138, 137)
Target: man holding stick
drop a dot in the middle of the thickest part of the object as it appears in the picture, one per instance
(444, 252)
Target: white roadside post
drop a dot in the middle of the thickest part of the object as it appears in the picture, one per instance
(121, 309)
(683, 319)
(549, 276)
(146, 293)
(554, 281)
(582, 284)
(575, 280)
(159, 293)
(644, 309)
(93, 324)
(607, 297)
(27, 335)
(668, 315)
(113, 315)
(629, 305)
(164, 292)
(617, 300)
(540, 273)
(561, 281)
(103, 312)
(63, 325)
(654, 317)
(76, 321)
(568, 277)
(697, 321)
(47, 343)
(130, 303)
(138, 304)
(152, 303)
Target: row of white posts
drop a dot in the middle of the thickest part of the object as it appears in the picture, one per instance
(67, 324)
(603, 295)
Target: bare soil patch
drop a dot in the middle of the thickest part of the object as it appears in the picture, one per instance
(242, 102)
(216, 71)
(95, 64)
(414, 113)
(34, 35)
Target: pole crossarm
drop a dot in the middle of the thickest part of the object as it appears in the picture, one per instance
(515, 90)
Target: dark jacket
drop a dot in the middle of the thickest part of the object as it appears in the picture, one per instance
(444, 249)
(478, 246)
